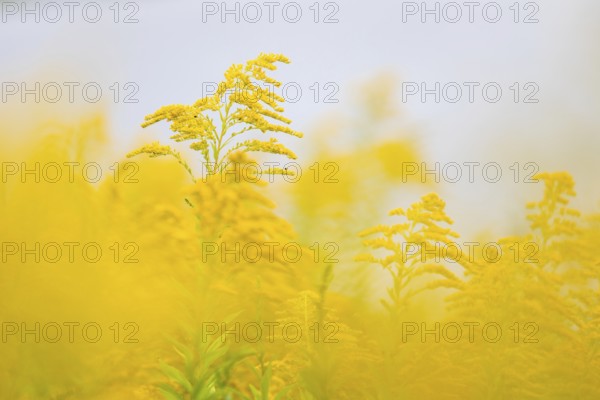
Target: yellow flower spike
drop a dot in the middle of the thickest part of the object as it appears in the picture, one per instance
(420, 230)
(240, 105)
(552, 216)
(153, 150)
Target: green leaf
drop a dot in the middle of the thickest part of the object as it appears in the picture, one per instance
(169, 393)
(176, 375)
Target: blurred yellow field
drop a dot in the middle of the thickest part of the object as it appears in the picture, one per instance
(142, 279)
(227, 246)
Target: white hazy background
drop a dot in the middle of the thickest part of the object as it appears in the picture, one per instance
(170, 52)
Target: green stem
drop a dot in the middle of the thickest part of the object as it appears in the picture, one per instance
(219, 146)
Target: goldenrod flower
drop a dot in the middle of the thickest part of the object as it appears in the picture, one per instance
(250, 107)
(421, 230)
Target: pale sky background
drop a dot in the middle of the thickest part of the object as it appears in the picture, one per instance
(170, 52)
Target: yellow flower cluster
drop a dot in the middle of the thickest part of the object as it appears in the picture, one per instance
(272, 146)
(240, 104)
(155, 149)
(231, 207)
(553, 217)
(422, 229)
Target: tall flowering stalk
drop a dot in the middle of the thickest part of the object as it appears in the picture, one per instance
(232, 213)
(423, 231)
(217, 125)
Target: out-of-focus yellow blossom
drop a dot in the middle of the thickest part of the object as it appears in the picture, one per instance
(422, 230)
(554, 218)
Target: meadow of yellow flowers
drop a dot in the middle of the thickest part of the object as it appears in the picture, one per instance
(170, 273)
